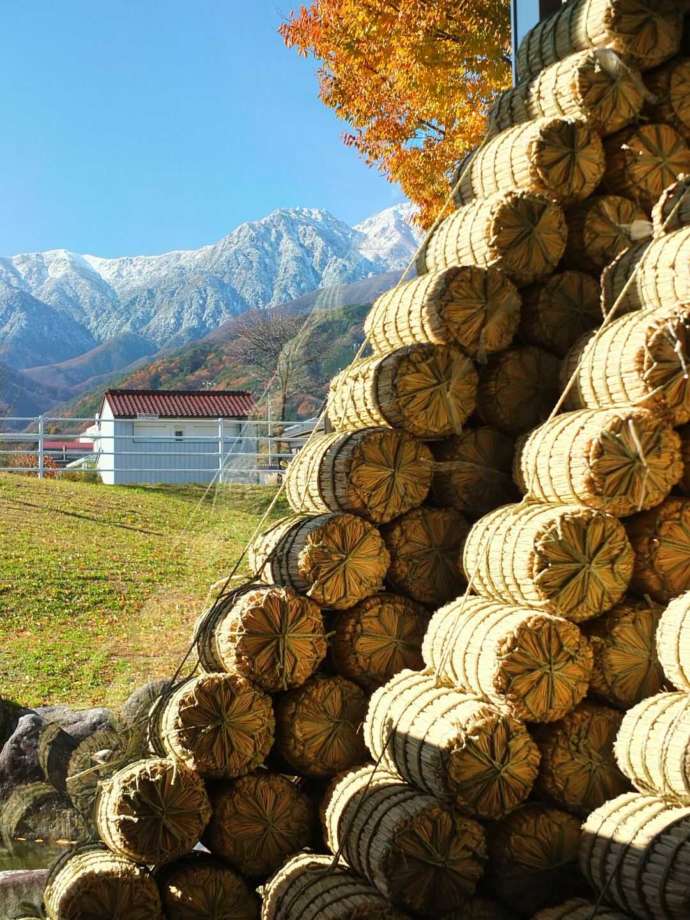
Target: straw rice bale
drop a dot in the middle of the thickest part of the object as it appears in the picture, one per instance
(517, 231)
(379, 637)
(517, 389)
(472, 471)
(579, 909)
(636, 848)
(480, 908)
(644, 33)
(562, 559)
(93, 884)
(557, 312)
(670, 88)
(561, 157)
(134, 713)
(619, 460)
(537, 664)
(378, 473)
(152, 811)
(39, 812)
(418, 853)
(55, 747)
(424, 546)
(319, 726)
(673, 642)
(626, 666)
(578, 769)
(258, 821)
(662, 550)
(455, 746)
(640, 359)
(593, 84)
(427, 390)
(684, 484)
(672, 210)
(335, 559)
(641, 161)
(600, 229)
(200, 888)
(270, 635)
(477, 309)
(312, 887)
(94, 759)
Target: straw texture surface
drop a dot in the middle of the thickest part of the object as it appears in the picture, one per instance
(537, 664)
(453, 745)
(673, 642)
(199, 888)
(556, 313)
(517, 389)
(579, 909)
(670, 85)
(480, 908)
(38, 812)
(600, 229)
(662, 550)
(642, 161)
(672, 210)
(684, 484)
(561, 559)
(86, 770)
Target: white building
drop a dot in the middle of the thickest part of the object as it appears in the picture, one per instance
(174, 436)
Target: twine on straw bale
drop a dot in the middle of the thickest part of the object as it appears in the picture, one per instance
(319, 726)
(593, 84)
(424, 546)
(95, 758)
(662, 550)
(473, 470)
(579, 909)
(517, 231)
(201, 888)
(636, 850)
(561, 157)
(426, 390)
(152, 811)
(517, 389)
(536, 664)
(453, 745)
(557, 312)
(563, 559)
(378, 473)
(477, 309)
(669, 87)
(600, 229)
(39, 812)
(310, 887)
(533, 857)
(335, 559)
(258, 821)
(93, 884)
(379, 637)
(673, 642)
(578, 768)
(619, 460)
(272, 636)
(421, 855)
(643, 32)
(626, 666)
(672, 210)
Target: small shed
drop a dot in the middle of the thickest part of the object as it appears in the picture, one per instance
(175, 436)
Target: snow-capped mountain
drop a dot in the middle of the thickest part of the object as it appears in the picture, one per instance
(58, 304)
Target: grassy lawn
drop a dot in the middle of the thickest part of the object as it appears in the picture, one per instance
(100, 585)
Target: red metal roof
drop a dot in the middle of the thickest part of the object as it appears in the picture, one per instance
(180, 403)
(61, 444)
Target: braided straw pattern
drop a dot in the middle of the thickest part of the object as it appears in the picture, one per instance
(641, 359)
(480, 908)
(653, 746)
(636, 849)
(561, 559)
(199, 888)
(661, 275)
(660, 539)
(593, 84)
(335, 559)
(618, 460)
(670, 87)
(672, 210)
(152, 811)
(517, 389)
(557, 312)
(644, 32)
(579, 909)
(600, 229)
(378, 473)
(37, 811)
(561, 157)
(578, 769)
(310, 887)
(475, 308)
(517, 231)
(379, 637)
(258, 821)
(319, 726)
(642, 161)
(673, 642)
(454, 746)
(84, 772)
(537, 664)
(626, 666)
(95, 883)
(415, 851)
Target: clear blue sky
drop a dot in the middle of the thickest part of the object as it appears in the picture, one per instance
(138, 126)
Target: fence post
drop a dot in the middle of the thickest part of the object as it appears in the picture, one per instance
(221, 445)
(269, 419)
(41, 454)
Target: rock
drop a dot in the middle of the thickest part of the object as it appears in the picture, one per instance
(10, 714)
(79, 723)
(21, 892)
(19, 761)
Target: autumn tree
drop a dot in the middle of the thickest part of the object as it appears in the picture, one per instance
(413, 78)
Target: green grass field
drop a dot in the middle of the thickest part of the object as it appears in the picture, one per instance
(100, 585)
